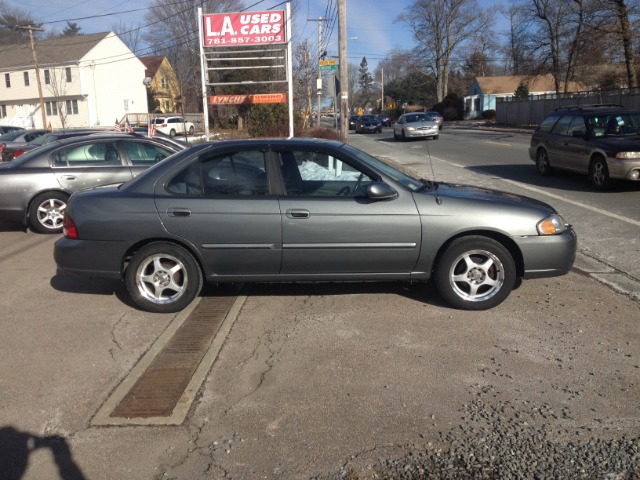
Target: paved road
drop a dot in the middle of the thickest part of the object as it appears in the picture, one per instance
(310, 379)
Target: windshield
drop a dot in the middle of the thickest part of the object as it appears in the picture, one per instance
(400, 177)
(614, 124)
(368, 118)
(422, 117)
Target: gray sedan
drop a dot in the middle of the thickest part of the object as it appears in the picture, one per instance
(271, 210)
(35, 187)
(416, 125)
(11, 140)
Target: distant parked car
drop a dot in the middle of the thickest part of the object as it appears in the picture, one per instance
(173, 126)
(49, 137)
(12, 140)
(8, 128)
(287, 210)
(415, 125)
(601, 141)
(385, 120)
(35, 187)
(436, 117)
(352, 122)
(368, 123)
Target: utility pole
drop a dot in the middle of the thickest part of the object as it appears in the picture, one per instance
(319, 83)
(343, 70)
(30, 29)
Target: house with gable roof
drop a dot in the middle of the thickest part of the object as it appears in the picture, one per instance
(486, 90)
(162, 80)
(86, 81)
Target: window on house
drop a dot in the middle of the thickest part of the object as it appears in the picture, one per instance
(7, 80)
(3, 111)
(126, 105)
(68, 74)
(72, 107)
(52, 108)
(47, 77)
(164, 83)
(26, 79)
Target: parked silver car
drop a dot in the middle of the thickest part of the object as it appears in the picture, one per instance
(12, 140)
(270, 210)
(415, 125)
(35, 187)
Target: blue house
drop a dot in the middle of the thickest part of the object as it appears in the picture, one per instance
(485, 90)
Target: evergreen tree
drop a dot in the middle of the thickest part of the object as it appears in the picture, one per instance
(71, 30)
(365, 82)
(522, 91)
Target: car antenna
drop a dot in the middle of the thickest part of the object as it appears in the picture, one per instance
(433, 173)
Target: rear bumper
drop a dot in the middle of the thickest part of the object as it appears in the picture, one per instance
(79, 257)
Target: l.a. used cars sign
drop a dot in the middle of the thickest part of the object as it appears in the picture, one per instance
(250, 28)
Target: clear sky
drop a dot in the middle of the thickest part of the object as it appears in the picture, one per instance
(371, 24)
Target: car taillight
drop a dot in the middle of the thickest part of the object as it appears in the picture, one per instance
(18, 152)
(164, 125)
(69, 227)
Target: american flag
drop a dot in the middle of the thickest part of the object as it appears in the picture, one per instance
(117, 127)
(151, 129)
(127, 126)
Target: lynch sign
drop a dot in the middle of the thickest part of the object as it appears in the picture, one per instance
(250, 28)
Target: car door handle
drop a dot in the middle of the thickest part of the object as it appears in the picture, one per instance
(294, 213)
(69, 177)
(179, 212)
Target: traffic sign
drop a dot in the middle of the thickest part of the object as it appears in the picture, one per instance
(328, 65)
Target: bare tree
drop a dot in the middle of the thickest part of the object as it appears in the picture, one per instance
(177, 21)
(621, 10)
(441, 27)
(130, 35)
(10, 17)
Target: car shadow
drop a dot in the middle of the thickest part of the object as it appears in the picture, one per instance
(423, 292)
(559, 180)
(12, 227)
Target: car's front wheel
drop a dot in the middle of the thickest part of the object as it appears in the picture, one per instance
(172, 133)
(475, 273)
(191, 130)
(542, 162)
(46, 212)
(163, 278)
(599, 173)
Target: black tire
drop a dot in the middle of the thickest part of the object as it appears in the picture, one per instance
(436, 137)
(191, 130)
(395, 135)
(475, 273)
(163, 278)
(599, 173)
(172, 133)
(403, 137)
(542, 162)
(46, 212)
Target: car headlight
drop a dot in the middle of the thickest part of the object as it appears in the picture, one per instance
(552, 225)
(411, 129)
(628, 155)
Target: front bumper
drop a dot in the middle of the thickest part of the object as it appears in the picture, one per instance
(548, 256)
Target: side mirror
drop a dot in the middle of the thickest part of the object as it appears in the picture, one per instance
(381, 191)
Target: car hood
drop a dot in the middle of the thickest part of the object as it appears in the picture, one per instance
(468, 192)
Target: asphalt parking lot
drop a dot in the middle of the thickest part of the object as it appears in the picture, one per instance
(310, 380)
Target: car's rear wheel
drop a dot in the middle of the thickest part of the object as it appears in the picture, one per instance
(46, 212)
(163, 278)
(542, 162)
(599, 173)
(475, 273)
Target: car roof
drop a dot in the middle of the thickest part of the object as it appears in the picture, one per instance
(591, 108)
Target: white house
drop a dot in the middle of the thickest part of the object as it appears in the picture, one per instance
(86, 80)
